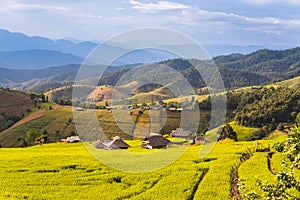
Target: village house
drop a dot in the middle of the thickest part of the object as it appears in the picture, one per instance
(115, 143)
(172, 109)
(79, 109)
(199, 140)
(71, 139)
(179, 133)
(155, 140)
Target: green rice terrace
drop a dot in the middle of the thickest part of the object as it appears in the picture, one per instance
(69, 171)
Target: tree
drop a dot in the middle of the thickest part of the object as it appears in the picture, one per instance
(227, 132)
(35, 103)
(57, 134)
(258, 134)
(41, 139)
(30, 138)
(297, 121)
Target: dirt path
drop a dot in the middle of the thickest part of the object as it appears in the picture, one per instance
(30, 117)
(196, 186)
(234, 176)
(33, 116)
(271, 166)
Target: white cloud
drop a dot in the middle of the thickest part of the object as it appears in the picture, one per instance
(197, 16)
(87, 15)
(158, 6)
(264, 2)
(21, 7)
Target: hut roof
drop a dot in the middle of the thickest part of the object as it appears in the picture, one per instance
(156, 141)
(199, 138)
(116, 143)
(71, 139)
(179, 133)
(101, 144)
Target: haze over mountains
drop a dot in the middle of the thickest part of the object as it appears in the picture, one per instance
(19, 51)
(18, 42)
(30, 61)
(237, 70)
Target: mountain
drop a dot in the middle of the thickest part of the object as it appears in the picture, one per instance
(237, 70)
(47, 78)
(19, 42)
(19, 51)
(226, 49)
(36, 59)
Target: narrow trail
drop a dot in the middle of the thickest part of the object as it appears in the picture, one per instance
(196, 186)
(33, 116)
(142, 191)
(135, 124)
(140, 130)
(271, 166)
(234, 175)
(37, 114)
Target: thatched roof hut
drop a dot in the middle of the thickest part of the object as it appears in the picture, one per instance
(99, 144)
(179, 132)
(155, 141)
(71, 139)
(116, 143)
(199, 140)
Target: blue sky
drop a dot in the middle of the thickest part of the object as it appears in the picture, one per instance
(243, 22)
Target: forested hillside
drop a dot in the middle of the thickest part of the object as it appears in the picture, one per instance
(237, 70)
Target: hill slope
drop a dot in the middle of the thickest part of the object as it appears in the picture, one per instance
(258, 68)
(13, 106)
(237, 70)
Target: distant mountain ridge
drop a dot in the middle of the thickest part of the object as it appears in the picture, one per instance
(237, 70)
(19, 51)
(28, 61)
(36, 59)
(18, 42)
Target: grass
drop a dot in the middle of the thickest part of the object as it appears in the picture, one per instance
(55, 122)
(243, 133)
(291, 83)
(13, 106)
(275, 134)
(59, 124)
(256, 167)
(69, 171)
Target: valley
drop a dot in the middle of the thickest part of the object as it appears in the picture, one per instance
(262, 106)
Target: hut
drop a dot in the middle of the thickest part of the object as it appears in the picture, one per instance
(115, 143)
(100, 144)
(179, 133)
(79, 109)
(71, 139)
(199, 140)
(155, 140)
(172, 109)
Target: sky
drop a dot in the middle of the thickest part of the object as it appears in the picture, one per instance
(232, 22)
